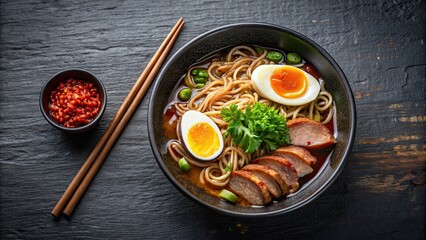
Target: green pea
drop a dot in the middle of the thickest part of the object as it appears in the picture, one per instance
(200, 85)
(195, 72)
(293, 58)
(259, 50)
(185, 94)
(274, 56)
(203, 73)
(200, 80)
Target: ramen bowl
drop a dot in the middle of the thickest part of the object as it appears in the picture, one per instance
(270, 36)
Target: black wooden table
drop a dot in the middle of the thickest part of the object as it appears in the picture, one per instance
(380, 45)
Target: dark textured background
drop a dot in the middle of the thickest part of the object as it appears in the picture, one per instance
(380, 45)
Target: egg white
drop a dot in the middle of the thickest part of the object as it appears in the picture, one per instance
(261, 82)
(189, 119)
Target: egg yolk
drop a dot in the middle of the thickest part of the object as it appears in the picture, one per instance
(203, 139)
(289, 82)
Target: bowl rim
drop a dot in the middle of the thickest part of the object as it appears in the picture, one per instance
(346, 151)
(88, 126)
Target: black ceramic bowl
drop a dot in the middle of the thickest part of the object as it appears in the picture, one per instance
(266, 35)
(63, 76)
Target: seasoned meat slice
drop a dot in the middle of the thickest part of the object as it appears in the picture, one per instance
(301, 158)
(250, 187)
(283, 167)
(268, 176)
(310, 134)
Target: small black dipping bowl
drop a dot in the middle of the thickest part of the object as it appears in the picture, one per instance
(266, 35)
(62, 76)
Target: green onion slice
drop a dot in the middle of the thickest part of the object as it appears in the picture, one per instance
(184, 165)
(228, 195)
(228, 166)
(293, 58)
(259, 50)
(274, 56)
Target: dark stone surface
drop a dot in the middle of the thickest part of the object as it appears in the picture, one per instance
(380, 45)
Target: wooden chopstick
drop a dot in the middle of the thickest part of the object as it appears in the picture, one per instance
(118, 130)
(92, 164)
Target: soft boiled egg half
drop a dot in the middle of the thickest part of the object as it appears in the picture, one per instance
(200, 135)
(285, 84)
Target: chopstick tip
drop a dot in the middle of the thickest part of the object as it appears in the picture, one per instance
(56, 216)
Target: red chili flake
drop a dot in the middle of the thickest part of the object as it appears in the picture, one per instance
(309, 142)
(74, 103)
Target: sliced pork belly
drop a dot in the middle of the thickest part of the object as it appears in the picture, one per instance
(250, 187)
(300, 158)
(283, 167)
(268, 176)
(311, 134)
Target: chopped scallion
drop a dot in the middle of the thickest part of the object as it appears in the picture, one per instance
(274, 56)
(228, 195)
(259, 50)
(228, 166)
(293, 58)
(184, 165)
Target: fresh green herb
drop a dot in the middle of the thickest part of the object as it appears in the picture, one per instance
(228, 195)
(258, 126)
(239, 129)
(228, 167)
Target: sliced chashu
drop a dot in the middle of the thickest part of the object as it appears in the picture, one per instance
(275, 184)
(301, 158)
(250, 187)
(310, 134)
(283, 167)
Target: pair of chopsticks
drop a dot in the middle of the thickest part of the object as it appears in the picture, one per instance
(87, 172)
